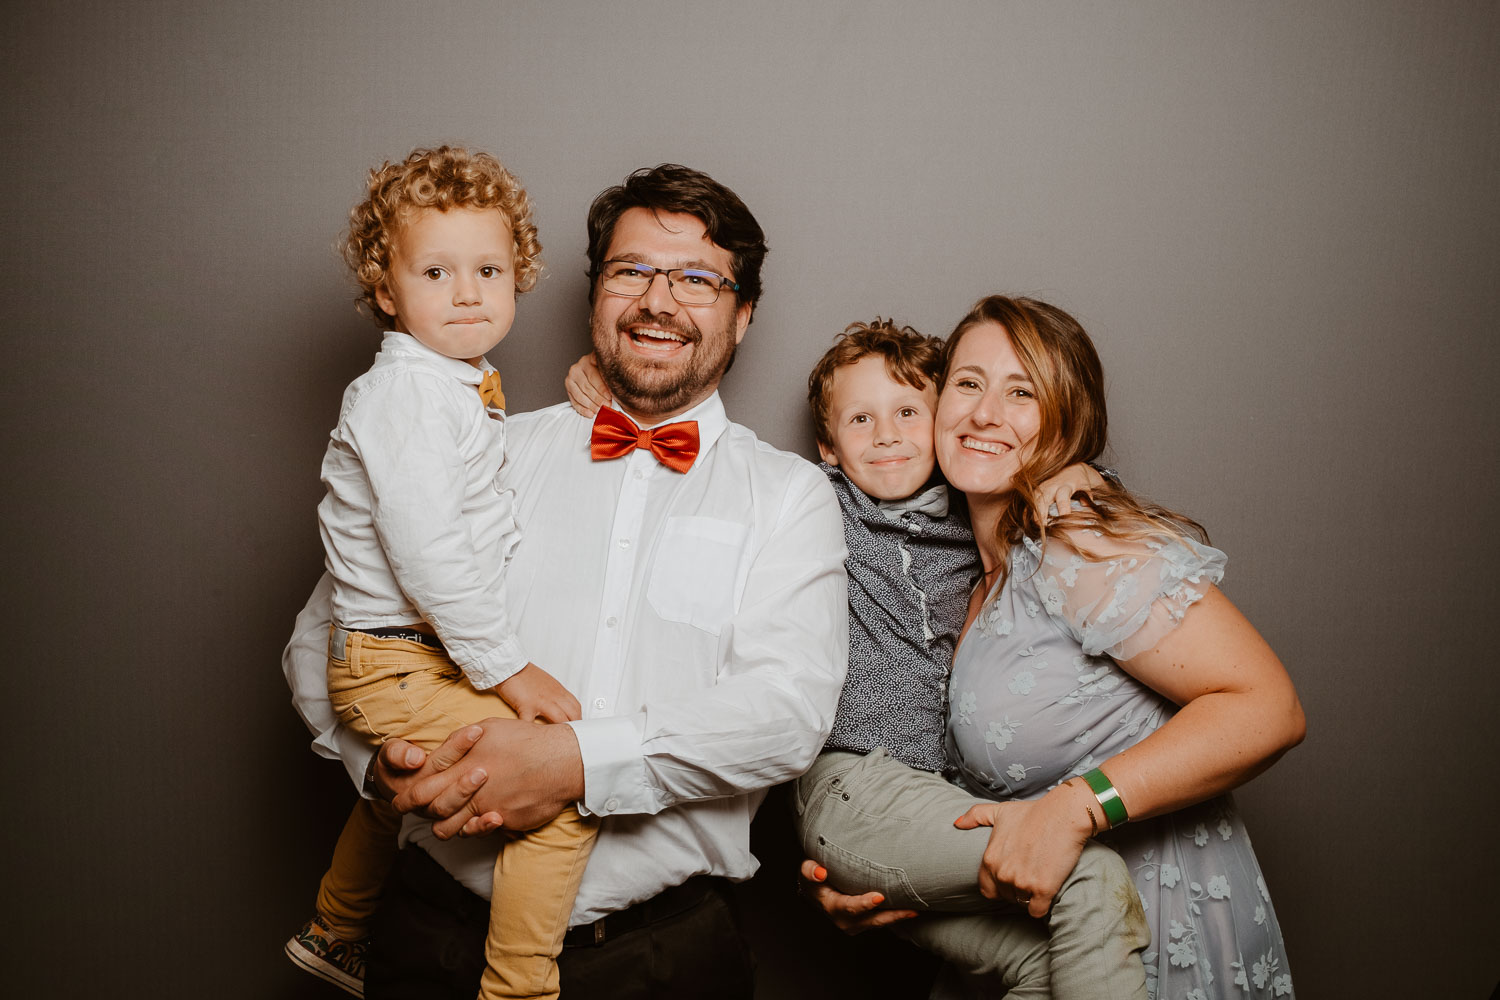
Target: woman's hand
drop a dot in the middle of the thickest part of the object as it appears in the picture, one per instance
(586, 389)
(851, 914)
(1059, 490)
(1033, 845)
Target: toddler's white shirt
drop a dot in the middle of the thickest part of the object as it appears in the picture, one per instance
(417, 524)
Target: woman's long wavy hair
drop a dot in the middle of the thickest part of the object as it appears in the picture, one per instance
(1069, 384)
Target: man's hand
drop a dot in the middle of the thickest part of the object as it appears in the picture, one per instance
(851, 914)
(536, 694)
(399, 765)
(505, 770)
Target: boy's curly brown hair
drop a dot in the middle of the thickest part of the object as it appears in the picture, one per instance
(910, 357)
(442, 178)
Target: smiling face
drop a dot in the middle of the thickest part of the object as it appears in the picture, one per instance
(660, 357)
(451, 282)
(880, 428)
(987, 416)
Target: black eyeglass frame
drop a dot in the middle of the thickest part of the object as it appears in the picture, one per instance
(651, 273)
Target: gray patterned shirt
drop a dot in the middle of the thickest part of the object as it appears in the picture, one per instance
(911, 569)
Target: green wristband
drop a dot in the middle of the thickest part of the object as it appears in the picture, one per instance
(1109, 798)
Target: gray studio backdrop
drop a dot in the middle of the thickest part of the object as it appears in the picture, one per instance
(1278, 220)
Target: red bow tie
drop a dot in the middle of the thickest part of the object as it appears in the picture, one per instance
(615, 434)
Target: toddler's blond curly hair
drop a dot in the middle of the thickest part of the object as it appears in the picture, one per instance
(442, 178)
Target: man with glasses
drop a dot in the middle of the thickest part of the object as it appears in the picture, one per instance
(685, 581)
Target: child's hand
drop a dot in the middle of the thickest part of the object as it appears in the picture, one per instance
(586, 389)
(535, 694)
(1058, 491)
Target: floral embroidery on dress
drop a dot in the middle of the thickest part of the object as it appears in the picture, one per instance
(1017, 772)
(1264, 969)
(1240, 979)
(966, 705)
(1001, 733)
(994, 623)
(1180, 950)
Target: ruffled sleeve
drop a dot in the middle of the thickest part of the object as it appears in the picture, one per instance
(1122, 597)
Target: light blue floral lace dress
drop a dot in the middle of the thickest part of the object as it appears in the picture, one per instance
(1036, 698)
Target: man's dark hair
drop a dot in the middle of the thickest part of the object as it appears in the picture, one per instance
(672, 187)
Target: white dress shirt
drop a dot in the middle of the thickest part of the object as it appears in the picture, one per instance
(700, 618)
(416, 524)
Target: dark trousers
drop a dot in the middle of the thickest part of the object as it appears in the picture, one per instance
(428, 944)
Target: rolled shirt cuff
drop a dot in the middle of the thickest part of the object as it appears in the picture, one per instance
(497, 666)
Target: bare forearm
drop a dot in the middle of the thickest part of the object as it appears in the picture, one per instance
(1239, 712)
(1214, 744)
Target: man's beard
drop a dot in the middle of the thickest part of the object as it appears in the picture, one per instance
(653, 389)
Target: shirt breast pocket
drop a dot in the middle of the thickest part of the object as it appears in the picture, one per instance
(695, 576)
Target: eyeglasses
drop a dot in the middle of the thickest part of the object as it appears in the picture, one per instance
(688, 285)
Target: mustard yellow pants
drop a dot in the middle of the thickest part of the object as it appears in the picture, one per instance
(385, 688)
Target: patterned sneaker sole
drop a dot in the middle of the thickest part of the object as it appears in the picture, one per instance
(308, 962)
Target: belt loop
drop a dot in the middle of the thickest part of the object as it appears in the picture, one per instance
(353, 646)
(339, 641)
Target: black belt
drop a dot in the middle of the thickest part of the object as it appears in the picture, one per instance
(667, 903)
(397, 632)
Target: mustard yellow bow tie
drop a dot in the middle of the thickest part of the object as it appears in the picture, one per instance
(489, 391)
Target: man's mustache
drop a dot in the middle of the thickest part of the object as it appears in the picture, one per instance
(686, 330)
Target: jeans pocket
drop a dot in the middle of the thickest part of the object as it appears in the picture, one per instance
(374, 710)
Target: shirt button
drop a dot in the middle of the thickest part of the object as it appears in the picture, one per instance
(599, 703)
(624, 543)
(639, 474)
(611, 621)
(611, 805)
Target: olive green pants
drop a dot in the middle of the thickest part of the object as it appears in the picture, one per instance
(878, 825)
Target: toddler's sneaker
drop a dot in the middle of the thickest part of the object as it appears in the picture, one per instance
(341, 962)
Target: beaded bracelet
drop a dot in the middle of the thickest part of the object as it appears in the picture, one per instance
(1109, 798)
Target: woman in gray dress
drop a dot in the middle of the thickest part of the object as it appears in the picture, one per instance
(1104, 687)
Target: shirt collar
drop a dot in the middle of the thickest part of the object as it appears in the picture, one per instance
(933, 502)
(396, 343)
